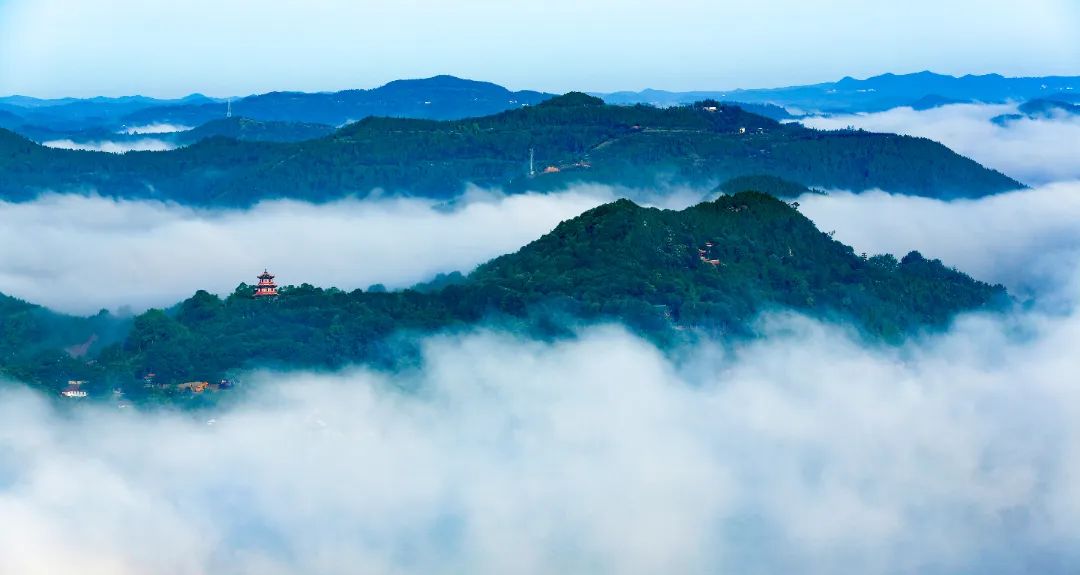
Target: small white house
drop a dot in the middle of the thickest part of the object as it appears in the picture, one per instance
(74, 389)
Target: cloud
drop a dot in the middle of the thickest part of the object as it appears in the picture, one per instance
(157, 128)
(1028, 240)
(113, 147)
(804, 451)
(1032, 151)
(83, 253)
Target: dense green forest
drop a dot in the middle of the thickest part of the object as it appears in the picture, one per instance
(712, 269)
(772, 185)
(247, 129)
(47, 348)
(574, 138)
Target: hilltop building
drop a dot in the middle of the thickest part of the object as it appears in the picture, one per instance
(266, 286)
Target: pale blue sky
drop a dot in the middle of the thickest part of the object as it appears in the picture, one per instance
(230, 47)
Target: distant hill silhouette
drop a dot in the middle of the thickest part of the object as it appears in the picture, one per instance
(877, 93)
(437, 98)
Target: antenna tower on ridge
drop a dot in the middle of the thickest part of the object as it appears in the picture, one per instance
(532, 164)
(228, 110)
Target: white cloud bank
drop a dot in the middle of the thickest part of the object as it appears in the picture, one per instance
(113, 147)
(803, 452)
(1027, 240)
(1033, 151)
(80, 254)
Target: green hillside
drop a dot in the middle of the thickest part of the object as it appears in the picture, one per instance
(573, 138)
(254, 130)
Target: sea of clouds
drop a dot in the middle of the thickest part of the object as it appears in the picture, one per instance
(141, 254)
(807, 450)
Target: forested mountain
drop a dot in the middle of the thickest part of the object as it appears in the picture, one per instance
(75, 114)
(849, 95)
(776, 187)
(437, 98)
(1041, 109)
(40, 346)
(246, 129)
(711, 268)
(574, 138)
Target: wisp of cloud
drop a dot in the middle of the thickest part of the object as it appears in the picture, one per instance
(113, 147)
(156, 128)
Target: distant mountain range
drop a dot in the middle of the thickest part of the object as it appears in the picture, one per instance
(711, 268)
(437, 98)
(573, 138)
(849, 95)
(73, 114)
(450, 98)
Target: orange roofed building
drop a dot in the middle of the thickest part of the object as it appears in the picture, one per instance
(266, 286)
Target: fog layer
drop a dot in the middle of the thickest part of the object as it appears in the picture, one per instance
(80, 254)
(1028, 240)
(113, 147)
(805, 451)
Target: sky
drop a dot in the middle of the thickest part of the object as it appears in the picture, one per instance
(52, 48)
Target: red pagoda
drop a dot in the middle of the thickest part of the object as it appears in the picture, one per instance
(266, 287)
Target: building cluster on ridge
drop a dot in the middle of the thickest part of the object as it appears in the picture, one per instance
(266, 288)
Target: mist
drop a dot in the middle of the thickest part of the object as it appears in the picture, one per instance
(156, 128)
(139, 254)
(80, 253)
(113, 147)
(1028, 240)
(1033, 151)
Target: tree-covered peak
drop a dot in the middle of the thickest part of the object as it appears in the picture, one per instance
(572, 100)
